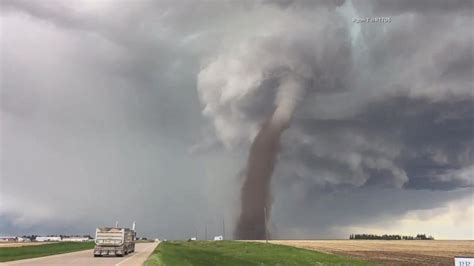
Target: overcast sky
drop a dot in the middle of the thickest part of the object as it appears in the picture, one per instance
(145, 110)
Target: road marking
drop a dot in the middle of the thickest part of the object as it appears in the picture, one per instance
(126, 259)
(152, 246)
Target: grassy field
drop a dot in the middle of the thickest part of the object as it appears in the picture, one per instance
(21, 244)
(33, 251)
(230, 253)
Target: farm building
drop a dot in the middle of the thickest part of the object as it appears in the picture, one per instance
(8, 238)
(48, 238)
(75, 239)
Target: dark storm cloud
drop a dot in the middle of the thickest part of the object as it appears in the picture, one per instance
(432, 138)
(54, 11)
(374, 206)
(304, 3)
(131, 54)
(101, 100)
(423, 6)
(396, 115)
(431, 52)
(103, 91)
(152, 34)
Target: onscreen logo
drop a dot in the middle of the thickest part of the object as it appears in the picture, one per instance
(459, 261)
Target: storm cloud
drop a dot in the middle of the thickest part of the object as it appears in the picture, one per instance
(157, 103)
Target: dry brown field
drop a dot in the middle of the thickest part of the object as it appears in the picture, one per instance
(391, 252)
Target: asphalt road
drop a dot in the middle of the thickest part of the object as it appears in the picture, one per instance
(142, 251)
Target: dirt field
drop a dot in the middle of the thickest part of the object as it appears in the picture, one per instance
(392, 252)
(20, 244)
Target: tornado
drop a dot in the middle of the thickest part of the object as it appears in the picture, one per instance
(255, 192)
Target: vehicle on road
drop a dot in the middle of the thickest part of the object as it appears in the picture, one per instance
(114, 241)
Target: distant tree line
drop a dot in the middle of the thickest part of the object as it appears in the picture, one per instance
(390, 237)
(30, 237)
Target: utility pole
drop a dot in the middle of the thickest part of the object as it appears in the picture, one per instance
(223, 229)
(205, 230)
(265, 216)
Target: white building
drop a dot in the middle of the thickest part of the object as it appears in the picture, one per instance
(75, 239)
(8, 238)
(48, 238)
(218, 238)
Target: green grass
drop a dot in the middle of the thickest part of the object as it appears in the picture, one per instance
(208, 253)
(26, 252)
